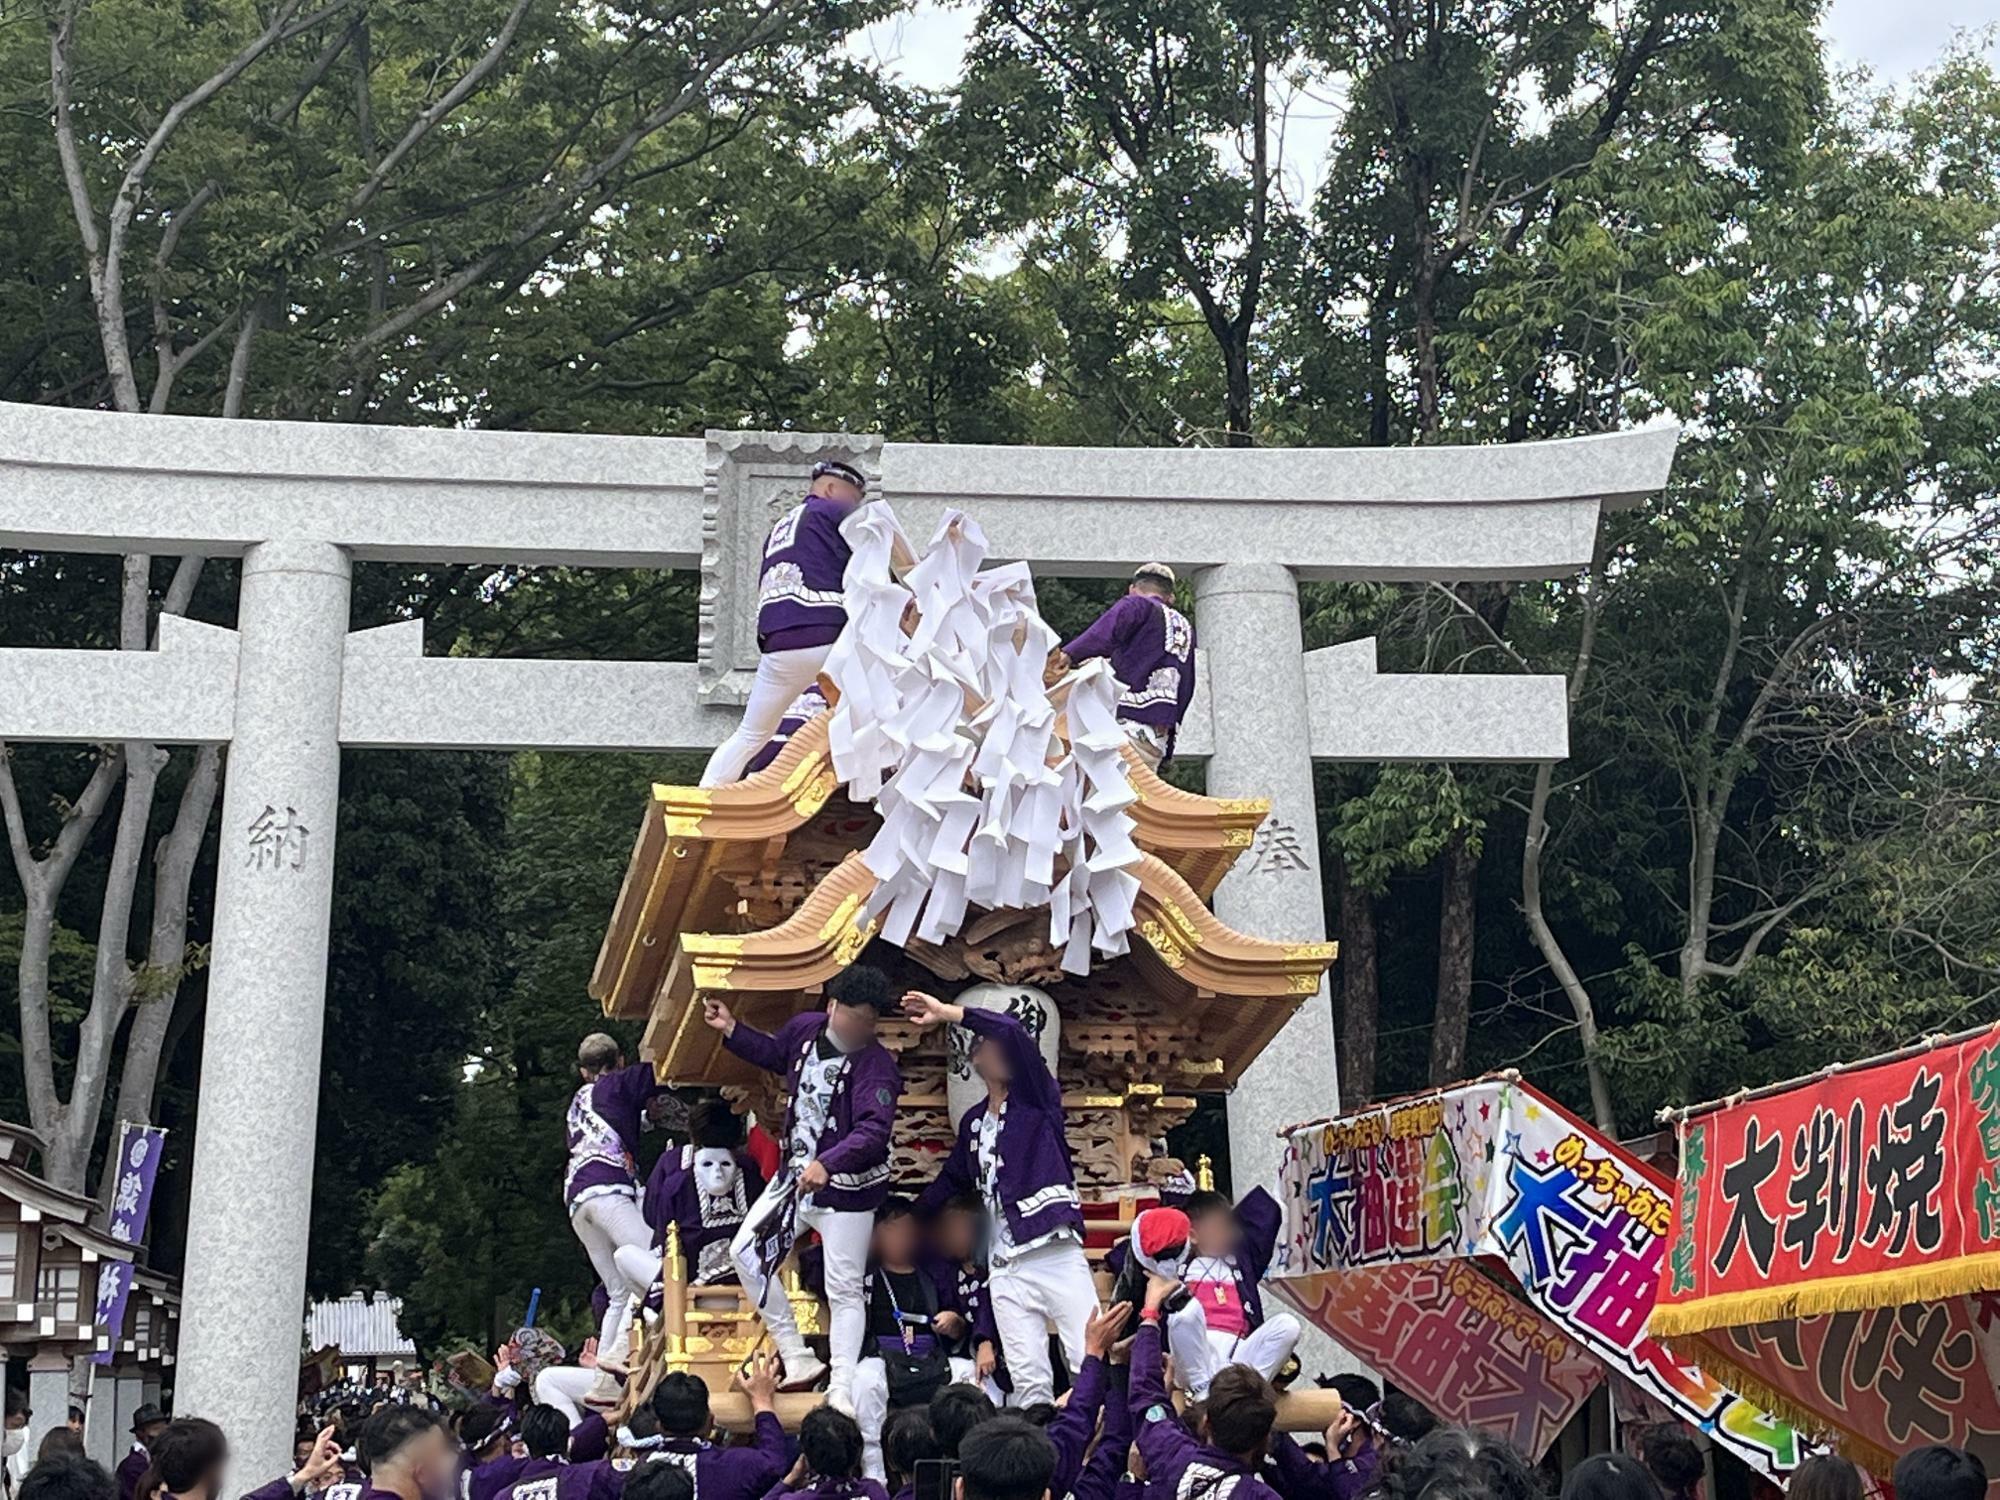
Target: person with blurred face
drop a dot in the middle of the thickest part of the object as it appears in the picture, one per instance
(965, 1320)
(904, 1361)
(1011, 1149)
(801, 610)
(601, 1185)
(843, 1086)
(409, 1453)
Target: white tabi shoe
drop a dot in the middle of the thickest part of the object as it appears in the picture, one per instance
(804, 1373)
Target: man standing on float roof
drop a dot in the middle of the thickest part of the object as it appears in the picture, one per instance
(801, 610)
(1151, 648)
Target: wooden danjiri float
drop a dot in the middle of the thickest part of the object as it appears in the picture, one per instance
(756, 892)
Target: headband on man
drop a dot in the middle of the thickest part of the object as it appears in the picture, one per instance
(1155, 573)
(840, 470)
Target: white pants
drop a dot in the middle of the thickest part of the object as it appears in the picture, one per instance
(1201, 1353)
(781, 677)
(606, 1224)
(844, 1237)
(564, 1387)
(871, 1409)
(1049, 1289)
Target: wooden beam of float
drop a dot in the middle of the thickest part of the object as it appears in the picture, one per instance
(692, 842)
(1243, 988)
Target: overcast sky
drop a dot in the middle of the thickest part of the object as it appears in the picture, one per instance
(1893, 37)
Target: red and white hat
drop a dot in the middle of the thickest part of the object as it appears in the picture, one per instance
(1160, 1241)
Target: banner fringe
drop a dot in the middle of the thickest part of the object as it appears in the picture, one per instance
(1921, 1283)
(1716, 1363)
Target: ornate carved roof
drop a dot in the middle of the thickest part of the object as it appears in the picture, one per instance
(755, 890)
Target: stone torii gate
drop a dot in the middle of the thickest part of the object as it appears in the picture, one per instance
(300, 504)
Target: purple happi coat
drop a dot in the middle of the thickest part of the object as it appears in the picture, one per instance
(1150, 645)
(605, 1117)
(1177, 1463)
(801, 585)
(856, 1488)
(131, 1469)
(1036, 1180)
(734, 1473)
(1303, 1477)
(559, 1479)
(854, 1147)
(672, 1197)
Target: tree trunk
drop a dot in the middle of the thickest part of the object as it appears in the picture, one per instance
(1458, 870)
(1360, 993)
(1236, 358)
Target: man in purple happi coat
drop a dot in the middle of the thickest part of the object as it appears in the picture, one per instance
(408, 1452)
(1150, 645)
(148, 1422)
(801, 610)
(705, 1188)
(1011, 1149)
(548, 1474)
(834, 1169)
(1219, 1461)
(601, 1182)
(680, 1402)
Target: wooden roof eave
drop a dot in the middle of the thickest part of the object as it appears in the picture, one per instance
(1200, 837)
(1184, 949)
(674, 859)
(683, 833)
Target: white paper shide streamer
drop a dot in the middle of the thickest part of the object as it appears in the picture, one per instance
(951, 733)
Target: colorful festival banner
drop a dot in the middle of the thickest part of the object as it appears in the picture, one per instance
(137, 1165)
(1496, 1174)
(1870, 1187)
(1835, 1251)
(1469, 1350)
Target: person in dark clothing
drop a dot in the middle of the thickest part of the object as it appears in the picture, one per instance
(1007, 1459)
(1937, 1472)
(68, 1476)
(1672, 1458)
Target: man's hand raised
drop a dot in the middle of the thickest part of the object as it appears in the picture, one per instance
(715, 1014)
(928, 1010)
(1101, 1332)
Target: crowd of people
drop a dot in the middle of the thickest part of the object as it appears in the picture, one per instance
(1116, 1435)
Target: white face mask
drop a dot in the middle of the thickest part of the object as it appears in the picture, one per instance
(17, 1439)
(715, 1171)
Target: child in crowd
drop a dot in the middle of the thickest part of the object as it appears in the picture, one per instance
(965, 1319)
(1224, 1322)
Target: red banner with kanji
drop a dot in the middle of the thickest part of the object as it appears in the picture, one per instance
(1869, 1187)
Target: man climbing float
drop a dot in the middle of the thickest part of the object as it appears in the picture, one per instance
(1150, 645)
(801, 611)
(601, 1184)
(1011, 1149)
(843, 1086)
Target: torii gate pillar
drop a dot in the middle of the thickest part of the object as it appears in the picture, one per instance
(1247, 616)
(250, 1207)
